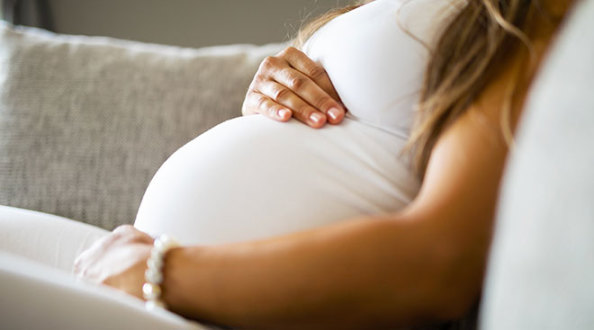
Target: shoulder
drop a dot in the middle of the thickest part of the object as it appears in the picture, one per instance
(461, 183)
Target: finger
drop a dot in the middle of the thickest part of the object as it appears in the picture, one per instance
(88, 256)
(302, 110)
(125, 234)
(82, 264)
(301, 62)
(279, 69)
(257, 102)
(118, 236)
(310, 92)
(78, 266)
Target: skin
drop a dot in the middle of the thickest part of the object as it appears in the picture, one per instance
(423, 264)
(290, 84)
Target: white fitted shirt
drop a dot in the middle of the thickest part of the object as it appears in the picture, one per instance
(252, 178)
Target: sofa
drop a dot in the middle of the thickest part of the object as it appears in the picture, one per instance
(85, 122)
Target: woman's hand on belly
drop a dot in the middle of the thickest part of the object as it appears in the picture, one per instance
(117, 260)
(290, 84)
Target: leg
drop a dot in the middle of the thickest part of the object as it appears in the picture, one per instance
(37, 251)
(45, 238)
(36, 296)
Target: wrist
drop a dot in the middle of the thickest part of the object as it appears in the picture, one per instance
(183, 286)
(153, 276)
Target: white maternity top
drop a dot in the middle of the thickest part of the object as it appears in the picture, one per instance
(251, 177)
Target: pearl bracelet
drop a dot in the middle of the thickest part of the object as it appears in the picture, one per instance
(153, 276)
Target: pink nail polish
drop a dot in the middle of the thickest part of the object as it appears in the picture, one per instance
(284, 114)
(316, 117)
(334, 113)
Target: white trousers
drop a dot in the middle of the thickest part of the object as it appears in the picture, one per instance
(39, 291)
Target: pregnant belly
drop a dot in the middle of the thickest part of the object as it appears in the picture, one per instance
(251, 178)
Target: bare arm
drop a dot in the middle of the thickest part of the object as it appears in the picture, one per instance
(423, 264)
(338, 277)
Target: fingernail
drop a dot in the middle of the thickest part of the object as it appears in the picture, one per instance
(334, 113)
(284, 113)
(316, 117)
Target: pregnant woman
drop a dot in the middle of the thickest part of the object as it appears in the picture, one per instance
(381, 218)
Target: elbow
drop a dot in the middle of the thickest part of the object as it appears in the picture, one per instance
(437, 279)
(458, 284)
(441, 284)
(457, 307)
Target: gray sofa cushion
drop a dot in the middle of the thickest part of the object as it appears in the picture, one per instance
(86, 121)
(541, 272)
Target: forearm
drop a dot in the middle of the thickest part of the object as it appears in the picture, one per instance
(381, 270)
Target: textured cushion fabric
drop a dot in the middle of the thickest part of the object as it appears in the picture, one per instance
(541, 272)
(86, 121)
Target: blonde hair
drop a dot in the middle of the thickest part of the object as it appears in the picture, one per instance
(467, 57)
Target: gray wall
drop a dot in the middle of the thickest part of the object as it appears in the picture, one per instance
(193, 23)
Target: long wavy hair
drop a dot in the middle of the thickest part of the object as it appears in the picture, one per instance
(466, 58)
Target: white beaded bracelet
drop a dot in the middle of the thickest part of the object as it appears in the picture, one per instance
(153, 276)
